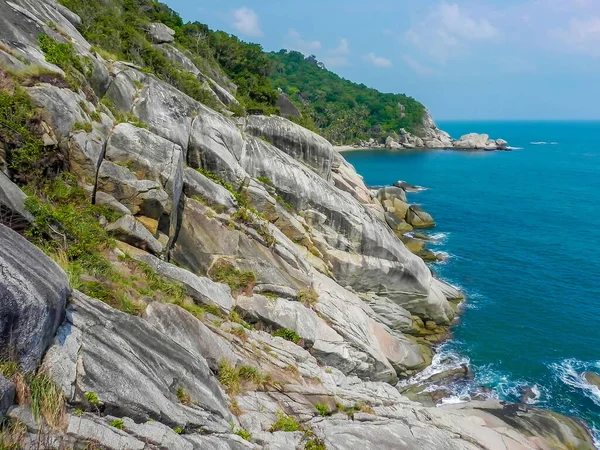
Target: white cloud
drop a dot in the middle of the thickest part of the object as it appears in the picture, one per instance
(378, 61)
(582, 35)
(446, 31)
(246, 22)
(419, 68)
(338, 57)
(343, 48)
(295, 42)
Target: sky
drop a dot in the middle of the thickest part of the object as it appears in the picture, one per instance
(463, 59)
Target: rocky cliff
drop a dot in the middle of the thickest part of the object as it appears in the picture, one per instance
(432, 137)
(212, 283)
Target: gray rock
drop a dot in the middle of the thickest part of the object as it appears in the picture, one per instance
(122, 90)
(191, 334)
(129, 230)
(592, 378)
(216, 144)
(105, 199)
(287, 108)
(202, 240)
(196, 184)
(397, 224)
(298, 142)
(167, 111)
(145, 197)
(160, 33)
(13, 212)
(418, 218)
(153, 158)
(202, 290)
(34, 291)
(221, 442)
(86, 151)
(60, 108)
(96, 430)
(7, 395)
(133, 368)
(99, 79)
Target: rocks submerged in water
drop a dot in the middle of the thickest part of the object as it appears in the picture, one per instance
(592, 378)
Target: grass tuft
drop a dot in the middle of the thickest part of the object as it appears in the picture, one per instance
(288, 335)
(284, 423)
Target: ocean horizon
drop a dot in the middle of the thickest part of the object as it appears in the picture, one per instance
(520, 230)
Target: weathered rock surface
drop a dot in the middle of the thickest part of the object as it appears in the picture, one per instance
(202, 290)
(13, 213)
(131, 231)
(418, 218)
(191, 334)
(151, 158)
(296, 141)
(7, 395)
(33, 293)
(133, 368)
(160, 33)
(592, 378)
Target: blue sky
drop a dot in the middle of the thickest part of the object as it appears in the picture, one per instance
(464, 59)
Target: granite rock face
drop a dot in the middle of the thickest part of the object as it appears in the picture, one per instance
(33, 290)
(336, 309)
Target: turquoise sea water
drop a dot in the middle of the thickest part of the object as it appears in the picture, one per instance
(522, 229)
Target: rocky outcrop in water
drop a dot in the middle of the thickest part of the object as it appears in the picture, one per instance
(269, 303)
(431, 137)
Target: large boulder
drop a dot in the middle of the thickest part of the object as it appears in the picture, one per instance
(197, 185)
(296, 141)
(216, 144)
(133, 232)
(418, 218)
(34, 291)
(13, 213)
(133, 368)
(191, 334)
(153, 158)
(160, 33)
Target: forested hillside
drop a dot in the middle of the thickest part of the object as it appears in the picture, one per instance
(340, 110)
(119, 27)
(343, 111)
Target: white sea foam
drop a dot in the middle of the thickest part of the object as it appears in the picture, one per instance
(539, 143)
(443, 360)
(454, 400)
(514, 148)
(570, 372)
(439, 238)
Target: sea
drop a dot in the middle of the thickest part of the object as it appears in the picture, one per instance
(521, 232)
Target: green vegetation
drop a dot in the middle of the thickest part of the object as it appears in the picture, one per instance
(244, 434)
(183, 396)
(224, 272)
(116, 28)
(240, 332)
(342, 111)
(315, 444)
(92, 398)
(323, 410)
(288, 335)
(178, 430)
(285, 204)
(12, 435)
(231, 377)
(64, 56)
(39, 391)
(25, 155)
(308, 296)
(284, 423)
(118, 424)
(265, 180)
(79, 126)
